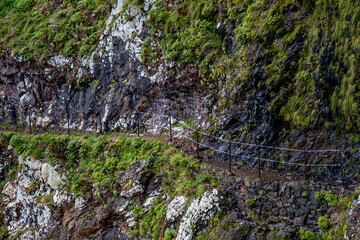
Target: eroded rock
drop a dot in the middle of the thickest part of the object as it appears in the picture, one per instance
(353, 223)
(176, 208)
(135, 190)
(9, 193)
(199, 213)
(80, 203)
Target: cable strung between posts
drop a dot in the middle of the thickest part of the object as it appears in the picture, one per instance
(252, 144)
(262, 159)
(154, 125)
(262, 146)
(154, 114)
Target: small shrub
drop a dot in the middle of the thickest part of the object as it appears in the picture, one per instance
(356, 195)
(324, 222)
(33, 186)
(320, 197)
(308, 235)
(170, 235)
(19, 143)
(3, 232)
(331, 198)
(250, 202)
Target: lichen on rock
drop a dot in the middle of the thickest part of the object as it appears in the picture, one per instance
(198, 214)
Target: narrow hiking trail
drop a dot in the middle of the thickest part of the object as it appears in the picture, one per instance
(236, 170)
(190, 149)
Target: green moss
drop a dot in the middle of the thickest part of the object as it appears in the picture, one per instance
(190, 34)
(260, 20)
(38, 28)
(170, 235)
(300, 108)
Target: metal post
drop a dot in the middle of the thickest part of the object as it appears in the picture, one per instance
(305, 167)
(138, 129)
(100, 124)
(259, 164)
(342, 168)
(197, 145)
(30, 121)
(230, 157)
(170, 129)
(68, 125)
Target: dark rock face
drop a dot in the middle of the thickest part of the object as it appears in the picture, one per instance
(120, 89)
(285, 207)
(21, 86)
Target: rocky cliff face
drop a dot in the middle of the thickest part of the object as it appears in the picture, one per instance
(153, 199)
(107, 89)
(265, 72)
(131, 71)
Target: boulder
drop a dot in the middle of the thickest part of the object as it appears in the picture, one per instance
(50, 176)
(32, 163)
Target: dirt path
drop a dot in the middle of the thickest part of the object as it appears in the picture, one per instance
(205, 157)
(237, 170)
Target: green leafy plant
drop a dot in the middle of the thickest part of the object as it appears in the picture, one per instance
(250, 202)
(306, 234)
(324, 222)
(320, 197)
(331, 198)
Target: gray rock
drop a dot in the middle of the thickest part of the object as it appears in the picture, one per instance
(20, 160)
(283, 212)
(301, 201)
(32, 163)
(80, 203)
(299, 221)
(50, 176)
(123, 207)
(290, 229)
(148, 202)
(353, 228)
(9, 193)
(136, 189)
(27, 100)
(60, 199)
(199, 212)
(282, 235)
(176, 208)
